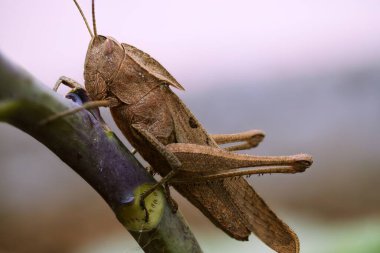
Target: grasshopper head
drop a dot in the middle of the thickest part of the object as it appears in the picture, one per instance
(104, 56)
(104, 60)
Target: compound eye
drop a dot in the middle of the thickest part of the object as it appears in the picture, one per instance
(108, 47)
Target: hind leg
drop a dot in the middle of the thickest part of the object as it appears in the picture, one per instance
(214, 163)
(161, 150)
(250, 139)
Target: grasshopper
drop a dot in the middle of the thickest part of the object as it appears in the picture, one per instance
(162, 129)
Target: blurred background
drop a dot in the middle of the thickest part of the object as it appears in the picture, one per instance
(305, 72)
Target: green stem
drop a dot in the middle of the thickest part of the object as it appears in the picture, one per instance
(95, 153)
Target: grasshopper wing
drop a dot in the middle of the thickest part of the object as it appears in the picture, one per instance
(260, 219)
(151, 65)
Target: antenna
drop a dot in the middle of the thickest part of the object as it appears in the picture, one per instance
(84, 18)
(93, 18)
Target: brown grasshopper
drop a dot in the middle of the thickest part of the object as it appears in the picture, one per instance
(167, 135)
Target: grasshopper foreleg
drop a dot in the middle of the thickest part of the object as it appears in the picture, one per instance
(251, 139)
(68, 82)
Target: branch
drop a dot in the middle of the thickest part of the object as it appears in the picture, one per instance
(88, 146)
